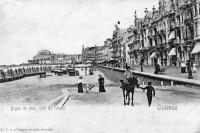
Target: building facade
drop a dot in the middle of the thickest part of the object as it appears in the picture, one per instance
(89, 54)
(169, 34)
(47, 57)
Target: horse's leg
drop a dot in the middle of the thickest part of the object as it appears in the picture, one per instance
(127, 93)
(132, 98)
(128, 96)
(124, 96)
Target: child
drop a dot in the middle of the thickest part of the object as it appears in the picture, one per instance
(80, 85)
(150, 90)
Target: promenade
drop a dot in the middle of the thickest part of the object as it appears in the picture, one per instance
(31, 90)
(92, 111)
(174, 71)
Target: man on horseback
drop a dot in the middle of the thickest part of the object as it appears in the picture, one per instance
(128, 74)
(128, 85)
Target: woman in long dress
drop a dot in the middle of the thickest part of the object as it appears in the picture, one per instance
(80, 85)
(101, 84)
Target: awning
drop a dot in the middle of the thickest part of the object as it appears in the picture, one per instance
(88, 61)
(172, 52)
(196, 48)
(171, 35)
(113, 61)
(153, 55)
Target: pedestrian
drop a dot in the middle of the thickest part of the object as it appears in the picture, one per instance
(126, 65)
(141, 64)
(101, 84)
(86, 71)
(80, 85)
(157, 68)
(150, 92)
(2, 74)
(183, 67)
(188, 64)
(194, 68)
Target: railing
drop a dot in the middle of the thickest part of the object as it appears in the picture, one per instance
(15, 74)
(162, 80)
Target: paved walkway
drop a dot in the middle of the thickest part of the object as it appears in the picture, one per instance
(171, 71)
(105, 112)
(95, 112)
(113, 96)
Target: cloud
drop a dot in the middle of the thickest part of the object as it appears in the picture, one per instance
(27, 26)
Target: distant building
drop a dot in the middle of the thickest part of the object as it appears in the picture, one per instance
(47, 57)
(100, 54)
(107, 51)
(89, 54)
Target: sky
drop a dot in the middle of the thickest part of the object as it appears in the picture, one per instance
(61, 26)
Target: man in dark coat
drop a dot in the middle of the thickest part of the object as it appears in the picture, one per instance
(101, 84)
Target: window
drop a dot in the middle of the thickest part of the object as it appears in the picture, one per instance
(196, 29)
(195, 10)
(199, 8)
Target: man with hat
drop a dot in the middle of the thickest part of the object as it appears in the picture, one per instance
(150, 92)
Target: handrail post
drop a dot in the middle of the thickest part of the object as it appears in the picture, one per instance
(172, 84)
(161, 85)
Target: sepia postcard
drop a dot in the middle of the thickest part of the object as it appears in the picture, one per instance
(99, 66)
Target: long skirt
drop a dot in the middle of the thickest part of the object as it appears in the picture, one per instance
(80, 88)
(102, 88)
(183, 69)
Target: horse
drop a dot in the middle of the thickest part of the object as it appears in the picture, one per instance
(128, 88)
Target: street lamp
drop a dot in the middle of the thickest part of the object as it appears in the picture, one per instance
(189, 68)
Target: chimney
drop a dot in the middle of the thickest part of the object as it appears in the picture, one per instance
(135, 16)
(154, 9)
(146, 11)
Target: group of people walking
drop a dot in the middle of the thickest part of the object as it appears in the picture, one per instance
(189, 66)
(150, 91)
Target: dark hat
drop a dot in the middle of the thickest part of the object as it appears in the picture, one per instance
(128, 67)
(149, 83)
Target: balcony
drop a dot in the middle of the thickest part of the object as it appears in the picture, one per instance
(132, 42)
(131, 52)
(174, 42)
(188, 38)
(151, 47)
(161, 45)
(163, 31)
(177, 25)
(116, 55)
(150, 36)
(188, 21)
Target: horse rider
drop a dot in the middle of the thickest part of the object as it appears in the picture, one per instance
(128, 74)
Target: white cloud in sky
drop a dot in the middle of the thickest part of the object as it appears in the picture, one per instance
(27, 26)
